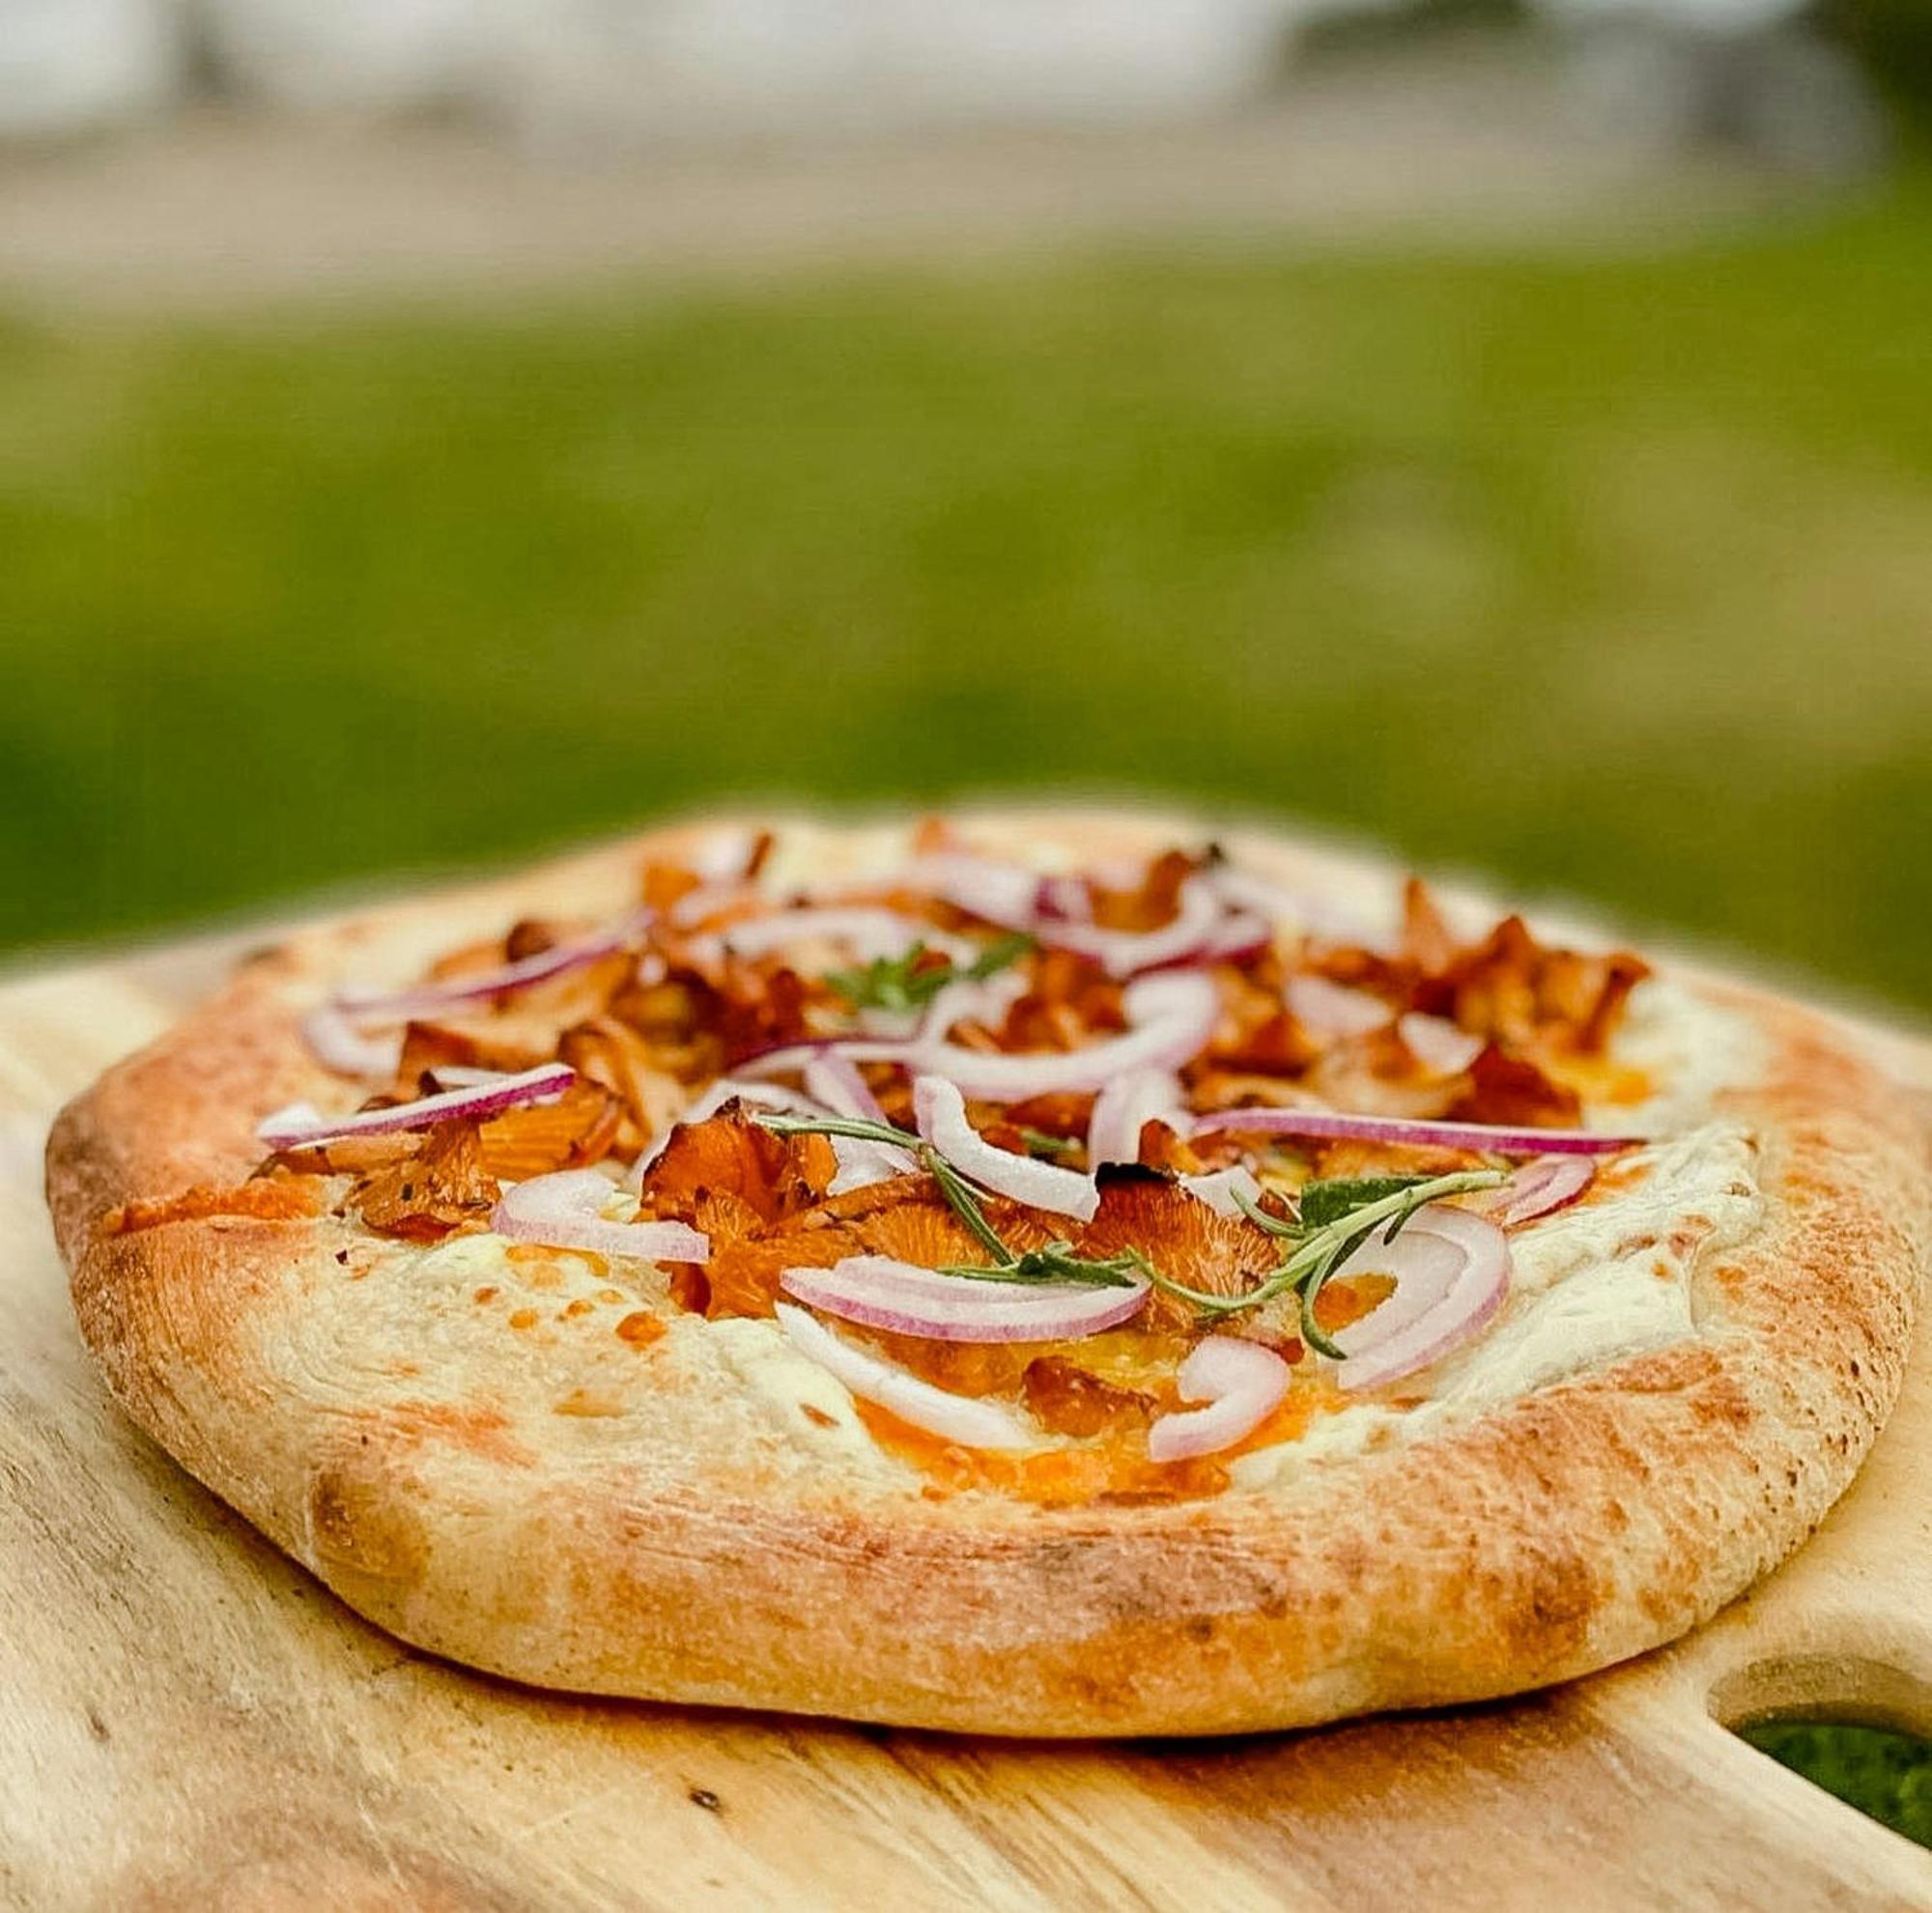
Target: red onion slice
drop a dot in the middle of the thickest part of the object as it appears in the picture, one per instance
(971, 1000)
(1330, 1124)
(1451, 1270)
(462, 1076)
(1127, 953)
(973, 1424)
(1172, 1014)
(1241, 935)
(1332, 1008)
(1540, 1188)
(1219, 1189)
(339, 1045)
(941, 1114)
(869, 931)
(882, 1293)
(301, 1126)
(1299, 910)
(1439, 1044)
(486, 985)
(835, 1081)
(565, 1211)
(1063, 898)
(333, 1031)
(1240, 1381)
(708, 899)
(998, 892)
(1124, 1107)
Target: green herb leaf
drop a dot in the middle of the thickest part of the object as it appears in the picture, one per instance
(1001, 953)
(1272, 1225)
(1324, 1202)
(908, 981)
(1039, 1143)
(911, 980)
(1315, 1252)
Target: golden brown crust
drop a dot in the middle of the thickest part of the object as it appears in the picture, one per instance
(560, 1505)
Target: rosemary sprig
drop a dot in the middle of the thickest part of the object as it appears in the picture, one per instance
(1051, 1261)
(1320, 1247)
(1043, 1142)
(1337, 1217)
(911, 980)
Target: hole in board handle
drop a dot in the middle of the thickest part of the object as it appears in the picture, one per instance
(1858, 1728)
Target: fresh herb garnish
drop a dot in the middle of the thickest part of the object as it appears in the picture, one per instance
(1335, 1217)
(1320, 1203)
(1051, 1261)
(908, 981)
(1040, 1142)
(911, 980)
(1001, 953)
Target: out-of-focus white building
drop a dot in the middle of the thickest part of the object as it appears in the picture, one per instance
(640, 68)
(604, 73)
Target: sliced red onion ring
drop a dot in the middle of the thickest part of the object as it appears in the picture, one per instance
(1064, 899)
(1452, 1272)
(972, 1000)
(869, 931)
(460, 1075)
(1332, 1008)
(941, 1113)
(1299, 910)
(332, 1028)
(708, 899)
(339, 1045)
(783, 1057)
(861, 1164)
(837, 1083)
(1332, 1125)
(1438, 1043)
(1240, 1382)
(726, 1089)
(1124, 1106)
(1219, 1189)
(1127, 953)
(1000, 892)
(566, 1211)
(908, 1300)
(973, 1424)
(486, 985)
(1172, 1014)
(1236, 936)
(301, 1125)
(1540, 1188)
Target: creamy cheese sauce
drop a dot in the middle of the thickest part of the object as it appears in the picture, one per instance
(1609, 1277)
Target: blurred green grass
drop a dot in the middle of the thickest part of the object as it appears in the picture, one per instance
(1609, 573)
(1881, 1772)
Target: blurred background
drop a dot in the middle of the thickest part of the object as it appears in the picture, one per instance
(1503, 429)
(434, 429)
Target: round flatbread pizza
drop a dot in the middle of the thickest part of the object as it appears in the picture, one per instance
(1055, 1274)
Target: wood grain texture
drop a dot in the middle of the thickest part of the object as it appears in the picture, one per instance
(188, 1720)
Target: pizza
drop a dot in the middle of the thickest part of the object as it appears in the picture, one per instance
(1049, 1273)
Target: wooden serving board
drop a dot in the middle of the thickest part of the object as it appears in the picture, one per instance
(188, 1720)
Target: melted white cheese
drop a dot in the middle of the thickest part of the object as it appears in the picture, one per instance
(1689, 1048)
(1589, 1285)
(803, 1406)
